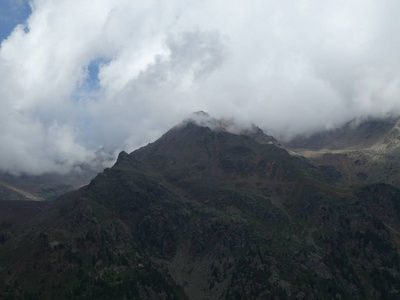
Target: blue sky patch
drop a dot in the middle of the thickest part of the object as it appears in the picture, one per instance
(89, 88)
(94, 69)
(12, 13)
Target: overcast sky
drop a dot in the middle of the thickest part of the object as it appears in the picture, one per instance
(77, 76)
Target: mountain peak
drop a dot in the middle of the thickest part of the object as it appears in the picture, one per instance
(203, 119)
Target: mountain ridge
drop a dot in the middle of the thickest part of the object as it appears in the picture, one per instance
(367, 152)
(208, 214)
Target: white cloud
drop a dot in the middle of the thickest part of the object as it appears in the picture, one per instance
(290, 67)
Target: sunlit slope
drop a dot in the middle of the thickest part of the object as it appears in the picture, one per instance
(365, 153)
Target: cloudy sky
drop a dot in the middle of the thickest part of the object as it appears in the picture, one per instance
(78, 77)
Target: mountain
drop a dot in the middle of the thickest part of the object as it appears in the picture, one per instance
(364, 152)
(46, 187)
(208, 212)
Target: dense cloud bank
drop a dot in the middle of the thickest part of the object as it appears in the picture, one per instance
(84, 78)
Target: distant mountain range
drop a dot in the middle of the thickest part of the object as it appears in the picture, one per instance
(46, 187)
(212, 211)
(365, 152)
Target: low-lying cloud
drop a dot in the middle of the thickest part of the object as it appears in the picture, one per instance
(83, 78)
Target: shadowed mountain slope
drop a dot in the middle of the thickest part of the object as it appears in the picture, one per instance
(208, 214)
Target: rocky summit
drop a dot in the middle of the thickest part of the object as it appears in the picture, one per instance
(208, 212)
